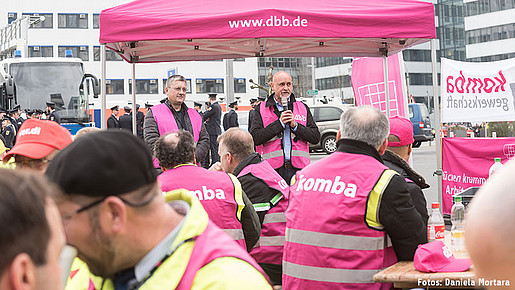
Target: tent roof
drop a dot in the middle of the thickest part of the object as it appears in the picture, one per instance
(162, 30)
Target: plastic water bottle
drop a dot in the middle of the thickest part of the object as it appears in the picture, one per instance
(435, 224)
(495, 167)
(458, 226)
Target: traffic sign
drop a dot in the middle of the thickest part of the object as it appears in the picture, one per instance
(312, 92)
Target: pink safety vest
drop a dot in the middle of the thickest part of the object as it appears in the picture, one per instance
(211, 245)
(333, 237)
(166, 122)
(269, 248)
(272, 150)
(216, 193)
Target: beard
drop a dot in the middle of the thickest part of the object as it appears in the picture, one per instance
(102, 264)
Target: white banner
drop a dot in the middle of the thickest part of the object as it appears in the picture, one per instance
(478, 92)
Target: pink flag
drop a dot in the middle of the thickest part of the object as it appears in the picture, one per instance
(368, 84)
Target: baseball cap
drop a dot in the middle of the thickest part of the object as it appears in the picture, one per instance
(38, 138)
(436, 257)
(403, 129)
(103, 163)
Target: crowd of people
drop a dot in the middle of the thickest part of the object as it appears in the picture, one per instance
(145, 214)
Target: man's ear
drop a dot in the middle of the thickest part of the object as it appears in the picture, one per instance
(338, 135)
(22, 272)
(113, 215)
(383, 146)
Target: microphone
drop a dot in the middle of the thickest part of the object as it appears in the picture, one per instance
(284, 103)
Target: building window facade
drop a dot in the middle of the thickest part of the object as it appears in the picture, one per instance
(209, 86)
(336, 82)
(114, 87)
(416, 55)
(493, 33)
(422, 79)
(41, 51)
(47, 23)
(240, 86)
(81, 52)
(145, 86)
(328, 61)
(111, 55)
(487, 6)
(11, 16)
(96, 21)
(79, 20)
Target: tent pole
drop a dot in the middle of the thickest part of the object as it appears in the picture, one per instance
(386, 89)
(436, 102)
(103, 120)
(229, 77)
(134, 131)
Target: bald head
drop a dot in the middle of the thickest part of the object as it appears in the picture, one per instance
(282, 85)
(175, 148)
(365, 124)
(490, 227)
(235, 145)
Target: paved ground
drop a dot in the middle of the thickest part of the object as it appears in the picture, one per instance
(424, 160)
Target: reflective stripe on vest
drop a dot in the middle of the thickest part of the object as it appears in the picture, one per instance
(328, 274)
(374, 200)
(272, 150)
(342, 242)
(236, 234)
(274, 218)
(166, 123)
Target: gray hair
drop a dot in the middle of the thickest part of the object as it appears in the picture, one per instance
(365, 124)
(174, 78)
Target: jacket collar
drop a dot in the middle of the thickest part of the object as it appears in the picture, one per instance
(358, 147)
(271, 101)
(250, 159)
(404, 168)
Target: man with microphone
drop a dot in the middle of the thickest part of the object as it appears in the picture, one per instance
(284, 127)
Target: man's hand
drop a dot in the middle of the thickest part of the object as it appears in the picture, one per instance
(216, 167)
(287, 117)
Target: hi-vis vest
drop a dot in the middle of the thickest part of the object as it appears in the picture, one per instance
(269, 248)
(334, 239)
(199, 253)
(166, 122)
(272, 150)
(80, 278)
(219, 193)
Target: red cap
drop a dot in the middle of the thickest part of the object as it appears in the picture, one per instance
(403, 129)
(435, 205)
(38, 138)
(436, 257)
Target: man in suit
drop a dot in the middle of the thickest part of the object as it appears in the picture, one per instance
(113, 122)
(231, 118)
(52, 115)
(212, 116)
(126, 119)
(140, 117)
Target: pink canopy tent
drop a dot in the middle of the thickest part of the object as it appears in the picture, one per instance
(161, 30)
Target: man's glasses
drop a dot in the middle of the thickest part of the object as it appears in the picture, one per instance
(97, 202)
(177, 89)
(32, 163)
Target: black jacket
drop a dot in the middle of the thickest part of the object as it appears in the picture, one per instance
(251, 116)
(112, 122)
(139, 123)
(261, 135)
(214, 114)
(395, 162)
(151, 131)
(126, 121)
(53, 116)
(9, 133)
(231, 120)
(397, 213)
(256, 189)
